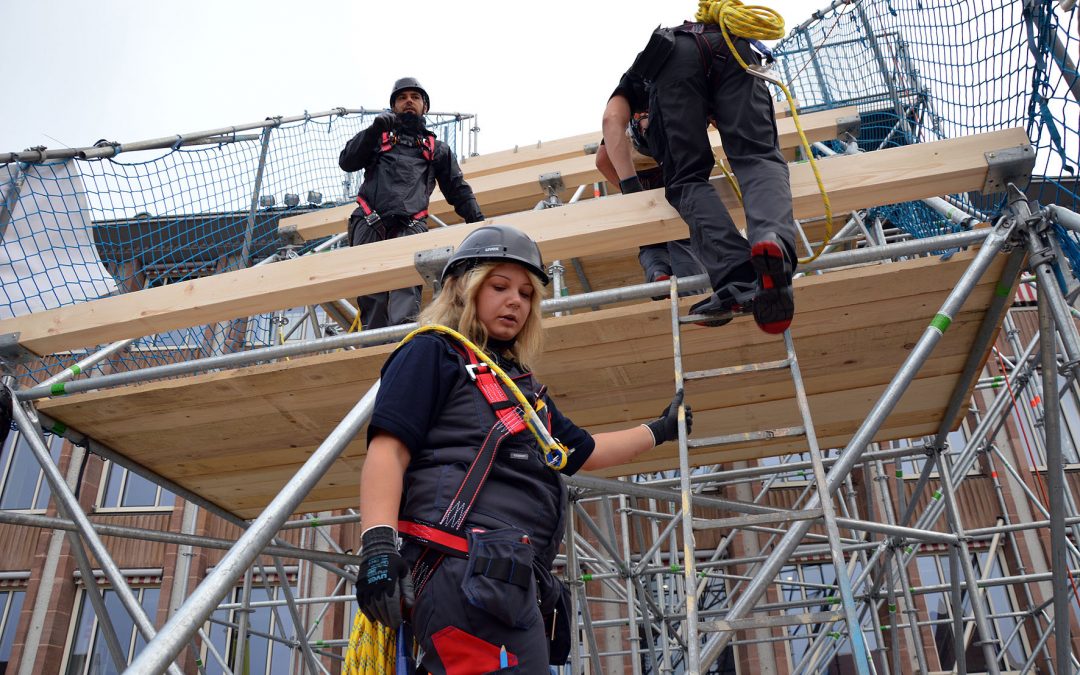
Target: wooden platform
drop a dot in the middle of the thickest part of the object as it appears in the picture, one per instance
(236, 437)
(593, 228)
(509, 186)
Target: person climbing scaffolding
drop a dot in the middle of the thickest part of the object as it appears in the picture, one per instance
(694, 74)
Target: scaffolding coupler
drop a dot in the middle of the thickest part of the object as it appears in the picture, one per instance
(552, 184)
(430, 263)
(13, 354)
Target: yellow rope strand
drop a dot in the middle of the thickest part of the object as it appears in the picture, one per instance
(547, 443)
(372, 648)
(755, 22)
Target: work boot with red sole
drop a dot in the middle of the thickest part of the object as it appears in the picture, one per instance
(774, 304)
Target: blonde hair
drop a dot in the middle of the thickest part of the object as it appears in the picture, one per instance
(455, 307)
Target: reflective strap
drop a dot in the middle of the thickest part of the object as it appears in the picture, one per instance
(386, 142)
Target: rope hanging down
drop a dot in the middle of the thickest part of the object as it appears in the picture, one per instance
(754, 22)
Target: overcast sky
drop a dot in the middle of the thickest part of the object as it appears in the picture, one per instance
(129, 70)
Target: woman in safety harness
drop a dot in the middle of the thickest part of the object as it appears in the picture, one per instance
(464, 452)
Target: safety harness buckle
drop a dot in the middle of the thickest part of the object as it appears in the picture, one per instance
(475, 369)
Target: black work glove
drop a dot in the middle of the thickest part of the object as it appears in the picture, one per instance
(5, 413)
(384, 121)
(629, 185)
(666, 427)
(384, 579)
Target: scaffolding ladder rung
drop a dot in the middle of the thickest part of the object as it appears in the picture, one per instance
(771, 621)
(777, 518)
(735, 370)
(767, 434)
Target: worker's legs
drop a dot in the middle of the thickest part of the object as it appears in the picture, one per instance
(373, 310)
(683, 261)
(458, 637)
(743, 111)
(678, 136)
(655, 262)
(403, 306)
(396, 307)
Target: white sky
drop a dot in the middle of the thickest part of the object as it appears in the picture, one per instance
(130, 70)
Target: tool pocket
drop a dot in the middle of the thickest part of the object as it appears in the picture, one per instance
(499, 576)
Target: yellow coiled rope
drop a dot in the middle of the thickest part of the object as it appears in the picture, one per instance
(754, 22)
(372, 648)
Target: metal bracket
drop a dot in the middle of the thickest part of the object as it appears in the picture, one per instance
(850, 125)
(13, 354)
(289, 236)
(552, 183)
(592, 148)
(430, 263)
(767, 74)
(1008, 165)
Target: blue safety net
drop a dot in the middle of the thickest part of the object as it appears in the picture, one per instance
(923, 70)
(81, 229)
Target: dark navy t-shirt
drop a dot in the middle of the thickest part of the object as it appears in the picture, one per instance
(415, 385)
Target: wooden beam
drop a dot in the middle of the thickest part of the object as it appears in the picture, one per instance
(598, 226)
(608, 369)
(518, 189)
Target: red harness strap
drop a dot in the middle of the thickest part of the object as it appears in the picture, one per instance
(494, 394)
(387, 141)
(445, 537)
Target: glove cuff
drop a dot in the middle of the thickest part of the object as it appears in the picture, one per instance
(379, 539)
(630, 185)
(656, 428)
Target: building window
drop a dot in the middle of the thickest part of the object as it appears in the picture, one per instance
(126, 490)
(812, 587)
(22, 483)
(10, 606)
(89, 654)
(263, 655)
(934, 570)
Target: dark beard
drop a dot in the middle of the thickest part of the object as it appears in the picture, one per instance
(411, 124)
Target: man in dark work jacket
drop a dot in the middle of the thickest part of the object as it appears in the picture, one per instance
(402, 160)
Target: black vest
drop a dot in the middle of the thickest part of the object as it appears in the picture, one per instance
(520, 491)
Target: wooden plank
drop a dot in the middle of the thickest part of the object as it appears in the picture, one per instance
(517, 188)
(595, 227)
(237, 436)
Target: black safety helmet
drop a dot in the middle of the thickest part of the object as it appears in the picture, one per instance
(409, 83)
(498, 244)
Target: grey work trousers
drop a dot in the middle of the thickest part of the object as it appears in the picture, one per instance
(701, 80)
(386, 308)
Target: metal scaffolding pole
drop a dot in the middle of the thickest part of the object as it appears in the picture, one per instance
(68, 505)
(182, 625)
(1055, 470)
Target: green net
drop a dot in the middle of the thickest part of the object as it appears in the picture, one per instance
(79, 229)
